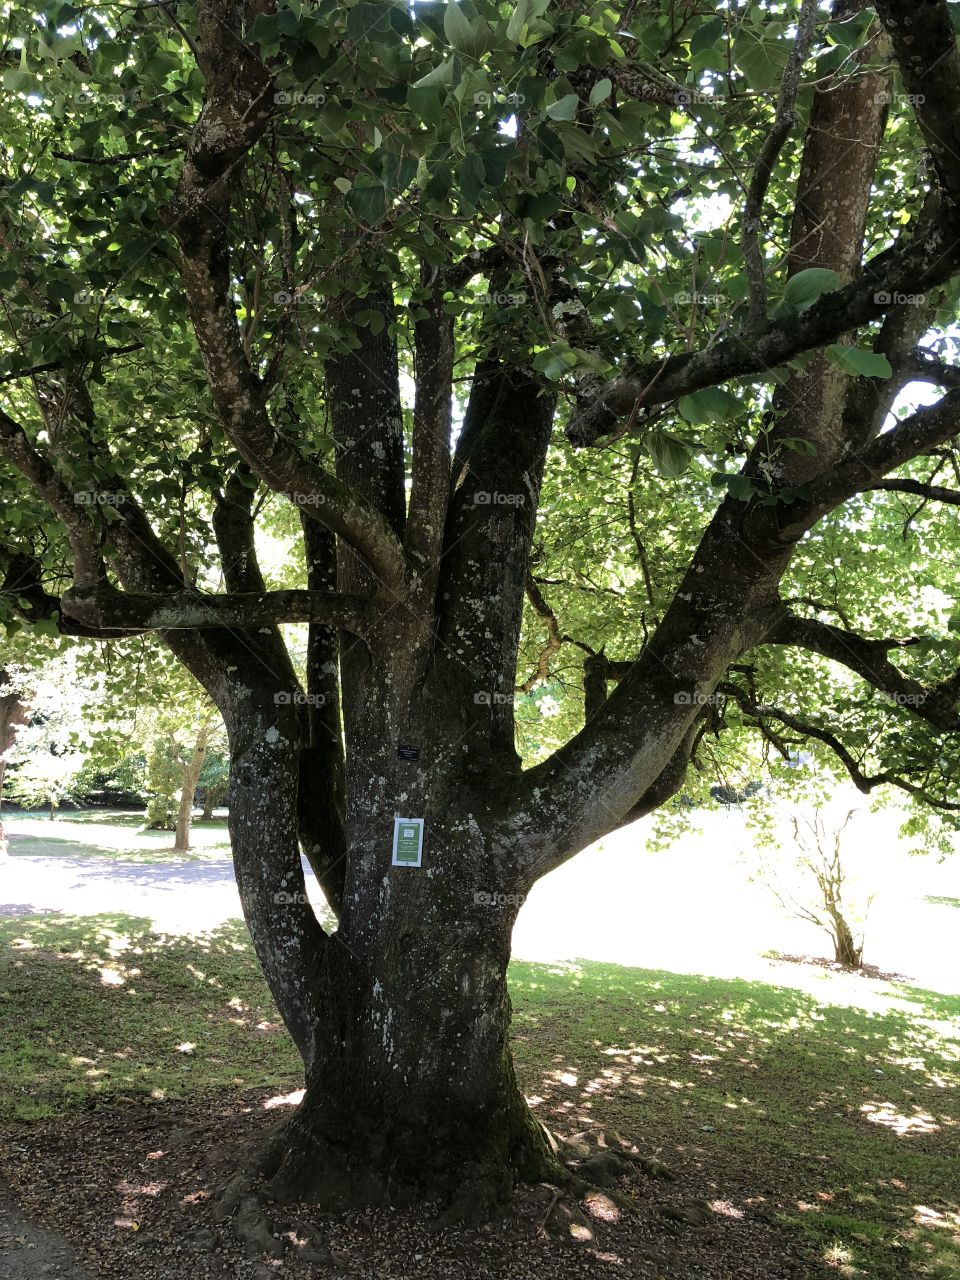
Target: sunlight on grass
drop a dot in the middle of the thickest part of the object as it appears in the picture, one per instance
(849, 1116)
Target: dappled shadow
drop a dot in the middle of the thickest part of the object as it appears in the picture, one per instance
(822, 962)
(103, 1006)
(787, 1106)
(25, 845)
(157, 874)
(834, 1126)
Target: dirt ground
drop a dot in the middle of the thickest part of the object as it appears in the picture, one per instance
(133, 1190)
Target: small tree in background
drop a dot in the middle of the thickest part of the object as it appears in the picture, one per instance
(802, 856)
(13, 715)
(818, 852)
(175, 763)
(164, 774)
(215, 776)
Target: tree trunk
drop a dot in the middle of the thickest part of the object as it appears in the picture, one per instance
(845, 949)
(412, 1094)
(191, 776)
(13, 713)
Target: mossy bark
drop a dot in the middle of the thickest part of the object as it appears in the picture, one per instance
(413, 1095)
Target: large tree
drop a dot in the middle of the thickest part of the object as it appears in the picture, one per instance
(403, 271)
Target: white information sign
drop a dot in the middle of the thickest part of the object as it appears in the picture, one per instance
(407, 842)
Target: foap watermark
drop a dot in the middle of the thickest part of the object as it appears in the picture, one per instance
(286, 698)
(285, 899)
(487, 698)
(884, 98)
(306, 499)
(904, 699)
(290, 297)
(88, 298)
(501, 299)
(293, 98)
(484, 899)
(692, 698)
(495, 499)
(687, 299)
(498, 98)
(883, 298)
(687, 97)
(100, 98)
(98, 498)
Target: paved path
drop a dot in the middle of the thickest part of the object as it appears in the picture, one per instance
(178, 894)
(28, 1252)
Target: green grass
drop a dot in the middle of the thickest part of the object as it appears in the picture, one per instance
(842, 1122)
(849, 1117)
(107, 833)
(99, 1007)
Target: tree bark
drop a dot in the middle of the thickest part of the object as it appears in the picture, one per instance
(13, 713)
(412, 1094)
(191, 776)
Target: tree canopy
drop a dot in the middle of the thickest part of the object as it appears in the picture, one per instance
(590, 366)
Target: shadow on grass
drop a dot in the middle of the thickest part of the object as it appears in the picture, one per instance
(839, 1122)
(100, 1007)
(843, 1122)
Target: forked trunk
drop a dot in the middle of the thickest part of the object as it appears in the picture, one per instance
(413, 1095)
(402, 1015)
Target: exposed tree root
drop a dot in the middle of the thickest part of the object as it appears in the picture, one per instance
(291, 1167)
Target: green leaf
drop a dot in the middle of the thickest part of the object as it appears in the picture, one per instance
(368, 201)
(600, 92)
(796, 444)
(804, 288)
(858, 362)
(472, 177)
(707, 36)
(670, 454)
(711, 405)
(456, 27)
(495, 162)
(624, 313)
(518, 20)
(761, 59)
(564, 108)
(343, 184)
(441, 74)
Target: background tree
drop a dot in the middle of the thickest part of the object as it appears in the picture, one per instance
(177, 743)
(466, 288)
(811, 854)
(13, 715)
(54, 738)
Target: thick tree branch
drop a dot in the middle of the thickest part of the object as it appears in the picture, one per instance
(930, 492)
(430, 474)
(554, 638)
(17, 448)
(936, 704)
(783, 123)
(925, 45)
(108, 608)
(236, 111)
(864, 782)
(917, 265)
(918, 434)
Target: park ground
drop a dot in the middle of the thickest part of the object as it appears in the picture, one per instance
(803, 1122)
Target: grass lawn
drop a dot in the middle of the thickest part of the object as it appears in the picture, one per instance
(841, 1122)
(105, 833)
